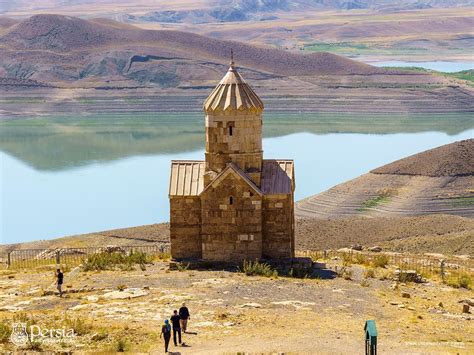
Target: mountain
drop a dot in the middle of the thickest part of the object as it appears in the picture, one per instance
(209, 11)
(437, 181)
(260, 10)
(55, 48)
(174, 70)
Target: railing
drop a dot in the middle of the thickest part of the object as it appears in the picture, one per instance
(29, 258)
(423, 264)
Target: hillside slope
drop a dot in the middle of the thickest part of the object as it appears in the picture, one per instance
(456, 159)
(53, 36)
(163, 69)
(440, 180)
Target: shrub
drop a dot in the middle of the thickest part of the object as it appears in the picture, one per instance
(345, 273)
(165, 256)
(460, 280)
(106, 261)
(404, 277)
(34, 346)
(138, 257)
(222, 315)
(386, 275)
(346, 259)
(22, 317)
(121, 345)
(465, 281)
(80, 326)
(361, 259)
(380, 261)
(369, 273)
(250, 268)
(5, 332)
(101, 335)
(182, 267)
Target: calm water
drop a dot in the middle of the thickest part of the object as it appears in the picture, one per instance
(447, 67)
(68, 176)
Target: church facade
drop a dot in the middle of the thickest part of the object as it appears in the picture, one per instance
(234, 205)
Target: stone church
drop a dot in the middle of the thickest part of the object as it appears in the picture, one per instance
(234, 205)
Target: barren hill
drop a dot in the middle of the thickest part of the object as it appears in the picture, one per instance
(440, 180)
(456, 159)
(62, 34)
(6, 22)
(169, 70)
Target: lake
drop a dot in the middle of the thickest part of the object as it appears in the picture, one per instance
(442, 66)
(70, 175)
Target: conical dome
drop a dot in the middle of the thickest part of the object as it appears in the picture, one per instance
(232, 94)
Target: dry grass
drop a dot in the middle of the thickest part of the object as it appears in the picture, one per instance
(229, 301)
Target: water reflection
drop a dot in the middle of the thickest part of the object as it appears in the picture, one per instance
(58, 143)
(47, 202)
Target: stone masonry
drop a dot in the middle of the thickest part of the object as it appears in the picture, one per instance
(235, 205)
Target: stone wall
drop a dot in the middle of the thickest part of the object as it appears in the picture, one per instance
(278, 226)
(231, 229)
(185, 227)
(237, 138)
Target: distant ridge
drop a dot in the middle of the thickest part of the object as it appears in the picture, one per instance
(64, 33)
(456, 159)
(6, 22)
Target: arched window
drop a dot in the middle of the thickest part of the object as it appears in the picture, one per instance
(231, 200)
(230, 130)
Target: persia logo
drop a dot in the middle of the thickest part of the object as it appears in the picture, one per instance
(19, 336)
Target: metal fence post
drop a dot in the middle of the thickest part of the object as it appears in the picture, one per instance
(9, 259)
(58, 258)
(442, 271)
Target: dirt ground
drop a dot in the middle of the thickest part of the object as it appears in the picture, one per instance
(235, 313)
(423, 234)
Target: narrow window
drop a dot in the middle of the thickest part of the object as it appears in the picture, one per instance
(230, 130)
(231, 200)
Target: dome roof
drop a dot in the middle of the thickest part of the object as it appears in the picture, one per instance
(232, 93)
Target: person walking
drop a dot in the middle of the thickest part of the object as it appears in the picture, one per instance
(184, 316)
(176, 327)
(166, 333)
(60, 279)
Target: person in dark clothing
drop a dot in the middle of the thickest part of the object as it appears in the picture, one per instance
(60, 278)
(176, 327)
(166, 333)
(184, 316)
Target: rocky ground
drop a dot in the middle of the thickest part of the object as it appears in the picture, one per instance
(232, 312)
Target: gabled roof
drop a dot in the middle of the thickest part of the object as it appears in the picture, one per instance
(187, 177)
(233, 169)
(232, 93)
(277, 177)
